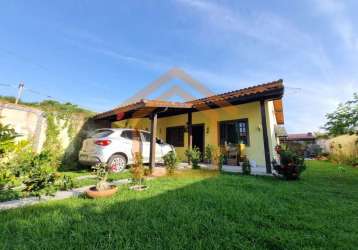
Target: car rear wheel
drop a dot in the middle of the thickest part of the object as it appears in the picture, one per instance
(117, 163)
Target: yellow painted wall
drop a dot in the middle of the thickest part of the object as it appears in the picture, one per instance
(211, 119)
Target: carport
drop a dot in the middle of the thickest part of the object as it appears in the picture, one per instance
(151, 109)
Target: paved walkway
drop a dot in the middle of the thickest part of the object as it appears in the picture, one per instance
(238, 169)
(59, 195)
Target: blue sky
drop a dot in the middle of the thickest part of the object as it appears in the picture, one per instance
(99, 53)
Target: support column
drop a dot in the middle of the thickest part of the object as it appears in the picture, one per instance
(153, 131)
(265, 136)
(190, 130)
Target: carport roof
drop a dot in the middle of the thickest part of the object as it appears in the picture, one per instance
(143, 108)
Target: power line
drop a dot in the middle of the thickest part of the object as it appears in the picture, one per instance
(39, 93)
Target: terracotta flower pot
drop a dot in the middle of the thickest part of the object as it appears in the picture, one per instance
(94, 193)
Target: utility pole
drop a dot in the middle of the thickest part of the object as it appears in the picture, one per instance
(19, 92)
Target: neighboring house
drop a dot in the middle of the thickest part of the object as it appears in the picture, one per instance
(303, 143)
(249, 115)
(304, 138)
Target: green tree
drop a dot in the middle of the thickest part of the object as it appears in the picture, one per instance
(344, 120)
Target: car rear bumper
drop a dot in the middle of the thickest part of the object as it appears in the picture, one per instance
(88, 159)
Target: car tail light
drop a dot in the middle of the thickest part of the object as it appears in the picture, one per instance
(103, 142)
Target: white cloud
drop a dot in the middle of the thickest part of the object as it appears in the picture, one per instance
(93, 42)
(319, 93)
(265, 27)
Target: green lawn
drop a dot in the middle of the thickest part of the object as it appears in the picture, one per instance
(200, 210)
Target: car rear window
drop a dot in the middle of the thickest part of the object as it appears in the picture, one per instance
(131, 135)
(101, 133)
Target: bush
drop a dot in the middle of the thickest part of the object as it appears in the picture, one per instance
(7, 139)
(246, 167)
(42, 175)
(21, 159)
(291, 165)
(170, 161)
(7, 178)
(194, 156)
(65, 182)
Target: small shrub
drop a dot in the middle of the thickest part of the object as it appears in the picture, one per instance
(65, 182)
(194, 156)
(147, 172)
(221, 160)
(170, 162)
(209, 153)
(137, 168)
(42, 176)
(291, 165)
(7, 178)
(246, 167)
(40, 182)
(101, 171)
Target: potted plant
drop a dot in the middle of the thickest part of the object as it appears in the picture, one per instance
(137, 170)
(102, 188)
(170, 162)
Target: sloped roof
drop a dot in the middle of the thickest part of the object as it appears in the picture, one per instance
(254, 90)
(272, 91)
(301, 137)
(144, 107)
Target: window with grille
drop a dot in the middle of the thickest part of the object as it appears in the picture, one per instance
(175, 136)
(234, 132)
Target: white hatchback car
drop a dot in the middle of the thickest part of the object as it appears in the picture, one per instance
(116, 148)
